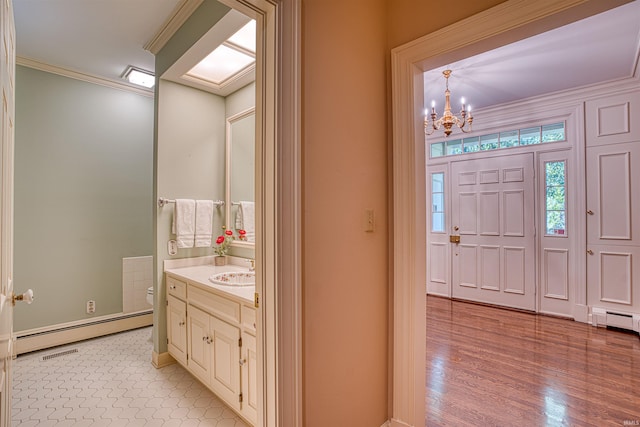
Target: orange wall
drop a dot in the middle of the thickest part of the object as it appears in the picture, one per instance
(345, 172)
(412, 19)
(346, 152)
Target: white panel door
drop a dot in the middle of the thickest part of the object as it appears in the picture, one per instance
(613, 229)
(493, 213)
(7, 85)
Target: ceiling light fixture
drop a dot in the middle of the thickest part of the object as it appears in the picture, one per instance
(140, 77)
(448, 119)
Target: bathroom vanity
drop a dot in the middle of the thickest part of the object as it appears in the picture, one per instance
(211, 330)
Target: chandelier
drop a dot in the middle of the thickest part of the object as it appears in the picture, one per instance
(448, 119)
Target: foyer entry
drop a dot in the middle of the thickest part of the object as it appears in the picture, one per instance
(492, 202)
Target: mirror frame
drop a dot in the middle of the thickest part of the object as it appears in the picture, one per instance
(227, 171)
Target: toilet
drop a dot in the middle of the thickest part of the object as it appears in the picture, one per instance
(150, 295)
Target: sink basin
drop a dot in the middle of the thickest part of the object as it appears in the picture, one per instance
(234, 278)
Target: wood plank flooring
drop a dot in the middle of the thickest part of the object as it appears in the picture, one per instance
(488, 366)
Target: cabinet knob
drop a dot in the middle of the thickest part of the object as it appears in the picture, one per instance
(181, 323)
(590, 212)
(589, 251)
(242, 362)
(172, 287)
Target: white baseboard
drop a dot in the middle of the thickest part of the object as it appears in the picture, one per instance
(160, 360)
(398, 423)
(66, 333)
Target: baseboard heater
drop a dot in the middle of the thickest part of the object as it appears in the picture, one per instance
(612, 319)
(66, 333)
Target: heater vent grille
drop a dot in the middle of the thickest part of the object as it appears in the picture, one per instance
(62, 353)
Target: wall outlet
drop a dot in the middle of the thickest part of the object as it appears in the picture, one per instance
(91, 307)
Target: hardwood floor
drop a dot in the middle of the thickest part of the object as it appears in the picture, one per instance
(488, 366)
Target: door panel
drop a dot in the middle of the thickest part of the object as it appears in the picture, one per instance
(493, 207)
(199, 344)
(613, 244)
(7, 91)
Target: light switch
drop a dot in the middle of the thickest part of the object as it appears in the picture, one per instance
(369, 220)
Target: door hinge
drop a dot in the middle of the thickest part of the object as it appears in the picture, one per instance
(240, 397)
(256, 300)
(167, 301)
(167, 341)
(240, 342)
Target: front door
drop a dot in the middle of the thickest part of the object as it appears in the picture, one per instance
(493, 215)
(7, 88)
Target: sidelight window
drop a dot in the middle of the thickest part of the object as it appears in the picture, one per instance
(555, 198)
(437, 202)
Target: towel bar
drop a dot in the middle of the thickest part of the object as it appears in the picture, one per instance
(162, 201)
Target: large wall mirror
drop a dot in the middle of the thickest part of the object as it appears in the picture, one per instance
(240, 175)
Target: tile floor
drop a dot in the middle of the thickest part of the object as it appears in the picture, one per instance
(109, 381)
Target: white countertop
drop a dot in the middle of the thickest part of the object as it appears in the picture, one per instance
(198, 270)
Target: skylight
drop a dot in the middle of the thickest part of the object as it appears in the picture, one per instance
(246, 37)
(233, 56)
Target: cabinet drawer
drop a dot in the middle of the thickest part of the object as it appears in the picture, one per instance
(176, 287)
(249, 319)
(218, 306)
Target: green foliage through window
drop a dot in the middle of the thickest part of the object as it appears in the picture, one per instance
(555, 198)
(554, 132)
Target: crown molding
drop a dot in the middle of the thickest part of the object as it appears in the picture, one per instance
(180, 14)
(65, 72)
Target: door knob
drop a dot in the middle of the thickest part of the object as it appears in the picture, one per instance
(26, 297)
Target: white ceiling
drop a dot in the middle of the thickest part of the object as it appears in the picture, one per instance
(102, 37)
(600, 48)
(95, 37)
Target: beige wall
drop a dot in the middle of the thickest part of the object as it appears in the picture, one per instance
(346, 46)
(345, 172)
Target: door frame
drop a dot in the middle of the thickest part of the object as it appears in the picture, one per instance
(503, 24)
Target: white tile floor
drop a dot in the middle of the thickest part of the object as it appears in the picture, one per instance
(110, 381)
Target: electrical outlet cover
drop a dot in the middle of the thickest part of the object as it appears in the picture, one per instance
(172, 247)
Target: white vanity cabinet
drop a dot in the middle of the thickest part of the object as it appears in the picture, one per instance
(219, 341)
(177, 319)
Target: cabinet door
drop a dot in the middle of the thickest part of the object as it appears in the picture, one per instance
(249, 363)
(177, 329)
(199, 344)
(225, 369)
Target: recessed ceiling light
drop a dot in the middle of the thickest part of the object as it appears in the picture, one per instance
(138, 76)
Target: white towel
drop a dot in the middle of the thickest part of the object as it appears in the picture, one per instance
(204, 223)
(246, 219)
(184, 218)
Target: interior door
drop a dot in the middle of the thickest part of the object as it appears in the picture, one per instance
(613, 229)
(493, 214)
(7, 84)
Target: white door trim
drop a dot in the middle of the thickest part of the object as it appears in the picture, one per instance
(505, 23)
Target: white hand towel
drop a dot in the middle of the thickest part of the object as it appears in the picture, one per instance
(204, 223)
(247, 213)
(184, 218)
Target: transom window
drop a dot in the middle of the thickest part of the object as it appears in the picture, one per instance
(512, 138)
